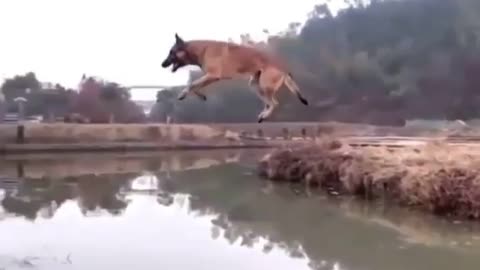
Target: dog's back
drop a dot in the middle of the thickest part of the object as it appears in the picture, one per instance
(233, 57)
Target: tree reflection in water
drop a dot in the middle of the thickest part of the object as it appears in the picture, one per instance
(335, 234)
(93, 193)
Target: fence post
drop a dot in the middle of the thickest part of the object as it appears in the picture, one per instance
(286, 134)
(20, 133)
(260, 133)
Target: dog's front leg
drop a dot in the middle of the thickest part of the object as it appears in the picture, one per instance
(197, 85)
(187, 90)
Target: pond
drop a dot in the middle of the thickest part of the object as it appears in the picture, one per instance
(205, 210)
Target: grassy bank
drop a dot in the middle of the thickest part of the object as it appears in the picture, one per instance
(435, 177)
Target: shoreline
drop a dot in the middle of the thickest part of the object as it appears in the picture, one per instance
(119, 147)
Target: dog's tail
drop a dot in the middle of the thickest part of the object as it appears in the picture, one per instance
(293, 87)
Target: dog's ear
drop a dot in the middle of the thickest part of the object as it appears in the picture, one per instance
(178, 39)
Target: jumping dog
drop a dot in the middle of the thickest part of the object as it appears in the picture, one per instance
(221, 60)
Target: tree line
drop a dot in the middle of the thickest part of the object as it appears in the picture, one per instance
(380, 62)
(96, 101)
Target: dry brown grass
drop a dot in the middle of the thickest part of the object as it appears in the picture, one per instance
(440, 178)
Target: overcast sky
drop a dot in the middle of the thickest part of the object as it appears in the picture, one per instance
(125, 40)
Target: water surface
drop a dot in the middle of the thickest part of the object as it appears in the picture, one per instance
(205, 210)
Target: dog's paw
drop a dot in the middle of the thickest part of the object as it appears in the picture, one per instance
(260, 118)
(182, 95)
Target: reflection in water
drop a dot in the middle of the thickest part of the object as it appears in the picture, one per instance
(215, 216)
(35, 197)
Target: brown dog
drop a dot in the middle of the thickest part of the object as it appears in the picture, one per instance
(222, 61)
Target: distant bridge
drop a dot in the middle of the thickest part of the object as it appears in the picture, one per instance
(148, 87)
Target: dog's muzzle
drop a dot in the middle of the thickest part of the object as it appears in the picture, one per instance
(166, 63)
(175, 66)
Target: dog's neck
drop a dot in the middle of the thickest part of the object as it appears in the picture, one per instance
(195, 53)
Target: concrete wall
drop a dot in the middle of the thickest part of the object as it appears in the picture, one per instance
(98, 133)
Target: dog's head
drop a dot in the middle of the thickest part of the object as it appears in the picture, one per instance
(177, 56)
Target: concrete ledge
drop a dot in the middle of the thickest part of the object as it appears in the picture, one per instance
(67, 137)
(60, 137)
(122, 147)
(30, 133)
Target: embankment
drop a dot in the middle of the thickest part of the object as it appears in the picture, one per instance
(68, 137)
(440, 178)
(64, 137)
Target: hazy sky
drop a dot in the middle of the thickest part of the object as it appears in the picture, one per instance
(124, 40)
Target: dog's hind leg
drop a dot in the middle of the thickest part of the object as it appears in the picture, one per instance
(269, 81)
(254, 83)
(271, 104)
(261, 116)
(293, 87)
(255, 79)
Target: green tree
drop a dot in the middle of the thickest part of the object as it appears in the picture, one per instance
(379, 62)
